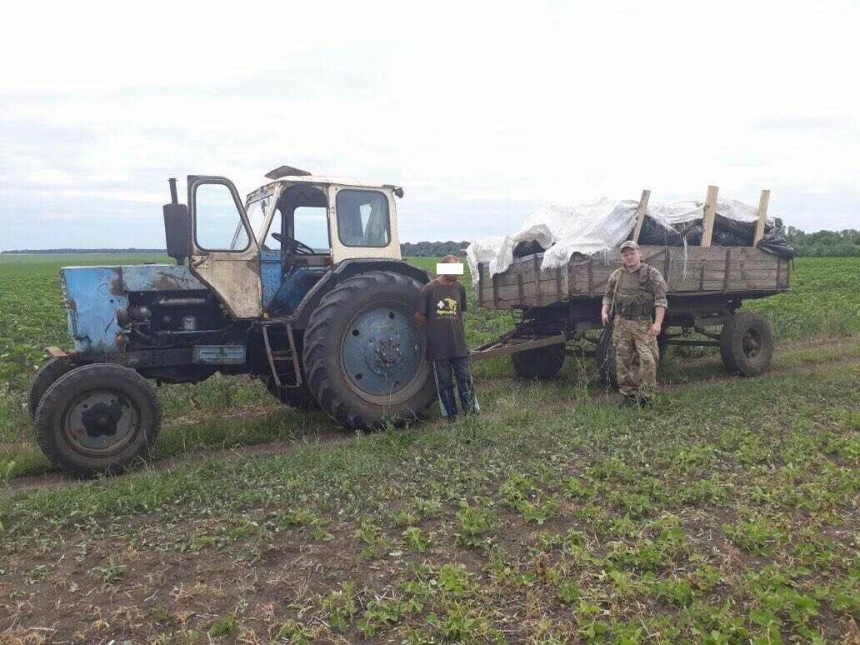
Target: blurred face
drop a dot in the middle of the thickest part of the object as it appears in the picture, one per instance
(449, 278)
(631, 258)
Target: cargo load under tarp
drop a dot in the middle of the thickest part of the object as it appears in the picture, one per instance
(561, 233)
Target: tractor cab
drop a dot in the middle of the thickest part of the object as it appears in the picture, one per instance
(289, 234)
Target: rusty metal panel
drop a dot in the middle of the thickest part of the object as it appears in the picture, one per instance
(235, 279)
(92, 297)
(159, 277)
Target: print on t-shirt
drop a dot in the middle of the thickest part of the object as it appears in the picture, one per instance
(446, 308)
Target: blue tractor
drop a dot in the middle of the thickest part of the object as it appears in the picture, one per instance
(302, 286)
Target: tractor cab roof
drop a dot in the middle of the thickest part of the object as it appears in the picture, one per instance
(291, 175)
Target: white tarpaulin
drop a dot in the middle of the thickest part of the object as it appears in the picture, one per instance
(591, 228)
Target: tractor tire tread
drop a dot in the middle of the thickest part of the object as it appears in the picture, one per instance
(319, 333)
(42, 381)
(81, 377)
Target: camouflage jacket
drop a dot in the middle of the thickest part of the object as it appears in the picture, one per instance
(634, 294)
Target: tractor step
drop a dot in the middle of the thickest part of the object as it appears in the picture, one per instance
(278, 358)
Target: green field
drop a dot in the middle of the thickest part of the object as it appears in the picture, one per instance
(728, 512)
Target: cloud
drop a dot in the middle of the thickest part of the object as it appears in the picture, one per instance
(481, 111)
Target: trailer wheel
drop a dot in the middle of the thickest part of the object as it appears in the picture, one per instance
(541, 363)
(746, 344)
(97, 419)
(604, 355)
(365, 356)
(43, 379)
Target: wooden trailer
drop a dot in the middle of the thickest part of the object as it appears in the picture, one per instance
(689, 272)
(706, 287)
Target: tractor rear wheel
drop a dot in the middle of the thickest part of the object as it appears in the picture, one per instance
(746, 344)
(43, 379)
(98, 418)
(541, 363)
(365, 356)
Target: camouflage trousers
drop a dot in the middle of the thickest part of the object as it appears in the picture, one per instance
(636, 356)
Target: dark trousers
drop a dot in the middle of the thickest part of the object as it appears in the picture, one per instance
(446, 370)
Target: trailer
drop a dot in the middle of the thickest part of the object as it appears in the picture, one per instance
(707, 286)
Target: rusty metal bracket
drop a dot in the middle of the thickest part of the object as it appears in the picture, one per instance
(505, 346)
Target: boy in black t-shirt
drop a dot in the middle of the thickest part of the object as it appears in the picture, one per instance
(443, 303)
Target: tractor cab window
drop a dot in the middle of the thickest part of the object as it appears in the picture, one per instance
(218, 225)
(257, 211)
(310, 225)
(302, 216)
(362, 218)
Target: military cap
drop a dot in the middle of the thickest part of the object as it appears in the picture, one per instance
(630, 244)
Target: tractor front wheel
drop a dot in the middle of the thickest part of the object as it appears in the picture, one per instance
(97, 419)
(43, 379)
(365, 356)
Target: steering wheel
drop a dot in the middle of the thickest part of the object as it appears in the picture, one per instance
(293, 245)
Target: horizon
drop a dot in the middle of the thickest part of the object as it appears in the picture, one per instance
(484, 112)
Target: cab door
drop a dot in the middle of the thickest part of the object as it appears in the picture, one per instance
(225, 255)
(362, 223)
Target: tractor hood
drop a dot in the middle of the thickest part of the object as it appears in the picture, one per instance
(93, 295)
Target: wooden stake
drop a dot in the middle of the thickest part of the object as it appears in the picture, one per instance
(710, 211)
(640, 215)
(763, 202)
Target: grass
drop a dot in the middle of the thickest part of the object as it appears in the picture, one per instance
(232, 412)
(728, 512)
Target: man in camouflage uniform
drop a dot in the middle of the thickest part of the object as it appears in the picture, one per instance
(636, 297)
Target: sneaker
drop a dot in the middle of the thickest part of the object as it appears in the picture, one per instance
(629, 400)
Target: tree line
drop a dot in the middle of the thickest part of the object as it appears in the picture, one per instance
(431, 249)
(845, 243)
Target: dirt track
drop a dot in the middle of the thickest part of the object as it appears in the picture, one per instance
(332, 434)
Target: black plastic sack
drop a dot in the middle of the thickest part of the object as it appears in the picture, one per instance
(693, 235)
(522, 249)
(775, 243)
(733, 233)
(655, 234)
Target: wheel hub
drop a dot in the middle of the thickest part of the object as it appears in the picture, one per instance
(381, 352)
(751, 343)
(100, 421)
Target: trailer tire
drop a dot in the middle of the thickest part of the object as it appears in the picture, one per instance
(364, 355)
(98, 419)
(43, 379)
(746, 344)
(541, 363)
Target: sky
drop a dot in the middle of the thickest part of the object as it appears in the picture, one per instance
(483, 112)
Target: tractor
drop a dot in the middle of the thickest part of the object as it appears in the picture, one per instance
(301, 286)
